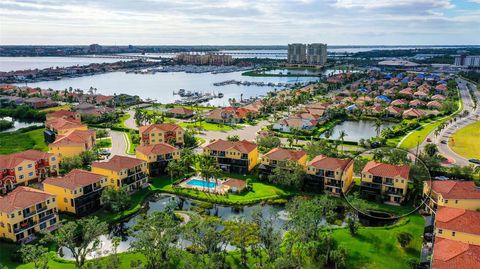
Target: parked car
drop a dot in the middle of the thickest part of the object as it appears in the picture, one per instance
(475, 161)
(443, 142)
(429, 139)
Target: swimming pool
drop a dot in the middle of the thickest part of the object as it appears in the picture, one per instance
(201, 183)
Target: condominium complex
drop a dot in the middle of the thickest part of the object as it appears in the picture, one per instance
(161, 133)
(25, 211)
(234, 157)
(451, 193)
(468, 61)
(333, 175)
(312, 54)
(123, 172)
(157, 157)
(205, 59)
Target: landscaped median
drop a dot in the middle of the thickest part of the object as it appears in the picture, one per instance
(465, 143)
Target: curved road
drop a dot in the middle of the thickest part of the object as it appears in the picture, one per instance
(451, 128)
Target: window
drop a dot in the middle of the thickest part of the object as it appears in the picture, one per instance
(20, 168)
(29, 165)
(54, 166)
(30, 174)
(153, 134)
(21, 177)
(53, 158)
(446, 201)
(65, 200)
(456, 201)
(440, 231)
(48, 202)
(453, 233)
(153, 140)
(19, 213)
(53, 199)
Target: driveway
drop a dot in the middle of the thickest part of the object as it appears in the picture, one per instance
(130, 122)
(119, 143)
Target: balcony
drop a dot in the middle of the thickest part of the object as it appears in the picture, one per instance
(371, 185)
(41, 209)
(329, 174)
(334, 183)
(87, 198)
(47, 217)
(388, 182)
(377, 180)
(24, 226)
(28, 214)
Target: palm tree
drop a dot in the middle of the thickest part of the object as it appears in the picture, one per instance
(187, 159)
(341, 136)
(174, 168)
(378, 126)
(208, 168)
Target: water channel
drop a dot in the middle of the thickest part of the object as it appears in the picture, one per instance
(18, 124)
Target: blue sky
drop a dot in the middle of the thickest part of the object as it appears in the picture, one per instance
(250, 22)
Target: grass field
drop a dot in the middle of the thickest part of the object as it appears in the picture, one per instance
(16, 141)
(420, 135)
(209, 126)
(464, 142)
(104, 143)
(121, 121)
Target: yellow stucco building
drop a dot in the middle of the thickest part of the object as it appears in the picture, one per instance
(451, 193)
(123, 172)
(25, 167)
(277, 155)
(458, 224)
(239, 157)
(333, 175)
(157, 157)
(161, 133)
(385, 181)
(73, 143)
(26, 211)
(78, 192)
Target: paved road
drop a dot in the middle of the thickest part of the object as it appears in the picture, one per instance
(474, 115)
(130, 122)
(451, 128)
(119, 143)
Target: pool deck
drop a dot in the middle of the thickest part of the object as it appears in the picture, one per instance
(219, 189)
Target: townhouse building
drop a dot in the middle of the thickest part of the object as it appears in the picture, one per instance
(385, 182)
(239, 157)
(332, 175)
(25, 167)
(277, 155)
(123, 172)
(161, 133)
(157, 157)
(78, 192)
(26, 211)
(73, 143)
(451, 193)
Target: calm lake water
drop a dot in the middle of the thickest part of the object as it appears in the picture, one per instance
(160, 86)
(357, 130)
(17, 124)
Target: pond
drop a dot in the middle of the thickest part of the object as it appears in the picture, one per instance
(18, 124)
(356, 130)
(160, 202)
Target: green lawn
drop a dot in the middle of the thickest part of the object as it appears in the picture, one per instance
(207, 126)
(420, 135)
(131, 149)
(12, 142)
(464, 142)
(104, 143)
(121, 121)
(57, 108)
(260, 192)
(377, 247)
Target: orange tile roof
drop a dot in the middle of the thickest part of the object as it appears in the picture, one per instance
(118, 163)
(21, 198)
(280, 154)
(166, 127)
(11, 160)
(434, 104)
(450, 254)
(329, 163)
(61, 113)
(63, 124)
(74, 179)
(413, 112)
(157, 149)
(456, 219)
(180, 110)
(386, 170)
(243, 146)
(452, 189)
(74, 137)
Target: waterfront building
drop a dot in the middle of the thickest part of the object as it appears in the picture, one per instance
(451, 193)
(239, 157)
(157, 157)
(332, 175)
(78, 192)
(386, 182)
(123, 172)
(297, 53)
(277, 155)
(179, 112)
(26, 211)
(317, 54)
(469, 61)
(204, 59)
(161, 133)
(25, 167)
(73, 143)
